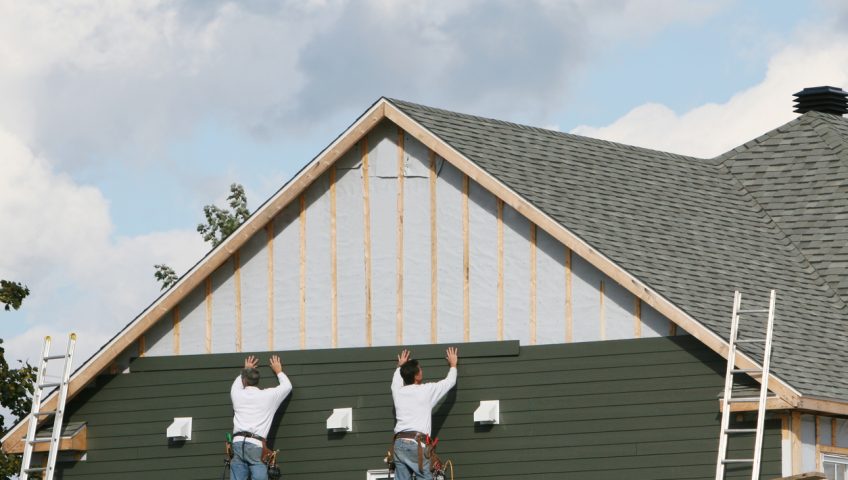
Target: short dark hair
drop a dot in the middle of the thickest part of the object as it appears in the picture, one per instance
(408, 371)
(250, 376)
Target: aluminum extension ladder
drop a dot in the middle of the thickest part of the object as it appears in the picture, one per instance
(46, 472)
(728, 397)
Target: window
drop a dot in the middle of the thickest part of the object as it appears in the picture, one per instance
(835, 467)
(382, 474)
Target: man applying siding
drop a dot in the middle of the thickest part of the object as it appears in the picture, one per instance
(254, 409)
(414, 402)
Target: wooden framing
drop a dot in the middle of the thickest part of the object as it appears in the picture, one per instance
(602, 313)
(237, 285)
(302, 286)
(818, 444)
(176, 329)
(208, 301)
(76, 442)
(366, 206)
(569, 301)
(771, 404)
(672, 329)
(383, 109)
(334, 264)
(141, 346)
(833, 432)
(500, 270)
(637, 317)
(466, 264)
(269, 232)
(796, 442)
(399, 262)
(532, 284)
(434, 250)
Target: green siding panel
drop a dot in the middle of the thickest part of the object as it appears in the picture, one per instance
(643, 409)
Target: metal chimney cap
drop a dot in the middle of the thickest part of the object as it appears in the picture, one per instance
(825, 99)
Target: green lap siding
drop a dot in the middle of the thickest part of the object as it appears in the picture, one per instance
(641, 409)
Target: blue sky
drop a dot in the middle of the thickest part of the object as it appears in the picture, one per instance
(123, 119)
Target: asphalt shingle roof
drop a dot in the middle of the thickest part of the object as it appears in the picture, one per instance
(799, 174)
(691, 229)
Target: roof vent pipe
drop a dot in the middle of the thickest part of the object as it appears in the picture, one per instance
(822, 99)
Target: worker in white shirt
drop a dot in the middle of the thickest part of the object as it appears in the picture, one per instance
(254, 409)
(414, 402)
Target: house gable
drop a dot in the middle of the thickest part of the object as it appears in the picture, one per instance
(212, 307)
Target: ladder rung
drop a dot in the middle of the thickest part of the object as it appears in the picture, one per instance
(751, 340)
(746, 399)
(740, 430)
(40, 440)
(738, 460)
(759, 310)
(746, 370)
(35, 469)
(46, 412)
(49, 385)
(55, 357)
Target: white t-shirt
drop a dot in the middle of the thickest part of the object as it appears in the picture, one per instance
(414, 403)
(254, 408)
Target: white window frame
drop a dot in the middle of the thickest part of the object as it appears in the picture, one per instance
(378, 474)
(834, 458)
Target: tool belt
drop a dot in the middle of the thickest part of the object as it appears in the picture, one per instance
(435, 463)
(268, 456)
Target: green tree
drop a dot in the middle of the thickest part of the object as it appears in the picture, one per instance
(165, 275)
(12, 294)
(220, 224)
(15, 383)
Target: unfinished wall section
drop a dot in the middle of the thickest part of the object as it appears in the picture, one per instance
(393, 245)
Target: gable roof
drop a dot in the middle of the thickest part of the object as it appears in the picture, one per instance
(679, 232)
(686, 227)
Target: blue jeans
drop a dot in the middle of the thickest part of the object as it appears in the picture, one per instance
(406, 461)
(247, 462)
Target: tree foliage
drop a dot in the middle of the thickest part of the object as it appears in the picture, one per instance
(15, 383)
(220, 224)
(12, 294)
(165, 275)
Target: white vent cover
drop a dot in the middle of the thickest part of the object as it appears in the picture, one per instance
(488, 412)
(341, 420)
(180, 429)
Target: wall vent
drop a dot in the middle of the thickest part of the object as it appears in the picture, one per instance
(822, 99)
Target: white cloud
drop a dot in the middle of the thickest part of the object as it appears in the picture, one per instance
(58, 240)
(85, 80)
(712, 129)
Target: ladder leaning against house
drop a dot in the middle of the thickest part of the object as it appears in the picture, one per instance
(46, 472)
(728, 397)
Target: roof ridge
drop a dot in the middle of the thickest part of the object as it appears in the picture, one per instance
(558, 133)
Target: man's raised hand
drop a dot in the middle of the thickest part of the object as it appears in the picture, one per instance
(403, 357)
(276, 364)
(251, 362)
(451, 356)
